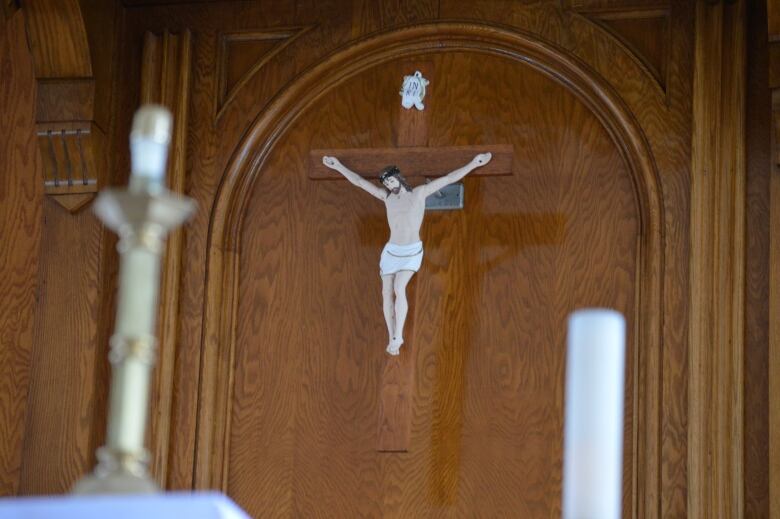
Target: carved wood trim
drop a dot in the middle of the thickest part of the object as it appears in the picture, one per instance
(226, 220)
(717, 291)
(283, 35)
(601, 18)
(72, 146)
(165, 80)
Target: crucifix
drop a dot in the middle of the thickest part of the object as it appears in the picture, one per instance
(414, 158)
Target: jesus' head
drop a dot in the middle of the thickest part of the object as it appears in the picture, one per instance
(392, 179)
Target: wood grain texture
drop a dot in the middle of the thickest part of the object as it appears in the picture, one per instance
(60, 427)
(270, 102)
(413, 161)
(165, 80)
(773, 20)
(624, 132)
(243, 54)
(717, 260)
(21, 192)
(396, 389)
(774, 322)
(66, 410)
(58, 39)
(411, 124)
(497, 278)
(773, 25)
(394, 13)
(645, 33)
(65, 99)
(757, 286)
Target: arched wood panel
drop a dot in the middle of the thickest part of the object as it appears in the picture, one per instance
(528, 241)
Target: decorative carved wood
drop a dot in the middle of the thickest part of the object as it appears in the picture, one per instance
(716, 337)
(165, 80)
(242, 54)
(71, 144)
(643, 30)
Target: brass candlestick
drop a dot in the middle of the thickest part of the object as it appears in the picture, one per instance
(142, 215)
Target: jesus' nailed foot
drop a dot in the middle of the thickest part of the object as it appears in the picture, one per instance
(394, 348)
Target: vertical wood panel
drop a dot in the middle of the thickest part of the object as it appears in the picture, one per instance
(773, 29)
(717, 264)
(60, 433)
(58, 39)
(757, 279)
(21, 192)
(65, 420)
(165, 80)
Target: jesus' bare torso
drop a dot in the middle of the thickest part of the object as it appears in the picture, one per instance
(402, 255)
(405, 213)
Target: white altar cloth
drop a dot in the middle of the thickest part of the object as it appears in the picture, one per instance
(174, 505)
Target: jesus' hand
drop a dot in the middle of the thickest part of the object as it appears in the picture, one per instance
(481, 159)
(331, 162)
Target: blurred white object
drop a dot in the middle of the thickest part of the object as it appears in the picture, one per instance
(413, 91)
(196, 505)
(593, 428)
(149, 141)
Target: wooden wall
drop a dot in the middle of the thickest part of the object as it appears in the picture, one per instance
(58, 260)
(757, 438)
(21, 190)
(274, 361)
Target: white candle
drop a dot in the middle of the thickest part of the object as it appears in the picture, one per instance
(149, 141)
(593, 429)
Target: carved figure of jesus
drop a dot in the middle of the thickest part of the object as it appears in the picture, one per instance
(403, 253)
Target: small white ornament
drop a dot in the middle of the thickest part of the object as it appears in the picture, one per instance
(413, 91)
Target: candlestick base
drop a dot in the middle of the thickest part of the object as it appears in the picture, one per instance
(118, 473)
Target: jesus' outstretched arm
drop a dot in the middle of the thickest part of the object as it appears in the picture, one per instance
(354, 178)
(452, 177)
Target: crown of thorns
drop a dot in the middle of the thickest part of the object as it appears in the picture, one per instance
(389, 171)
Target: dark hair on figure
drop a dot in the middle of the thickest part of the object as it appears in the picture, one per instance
(393, 171)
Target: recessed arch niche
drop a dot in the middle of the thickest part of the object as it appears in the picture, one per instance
(306, 93)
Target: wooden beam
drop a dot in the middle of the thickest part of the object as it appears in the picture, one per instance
(413, 161)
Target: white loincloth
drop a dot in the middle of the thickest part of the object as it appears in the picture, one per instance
(400, 257)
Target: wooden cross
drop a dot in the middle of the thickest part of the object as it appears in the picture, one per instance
(414, 158)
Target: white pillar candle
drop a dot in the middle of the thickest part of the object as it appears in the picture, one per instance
(593, 429)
